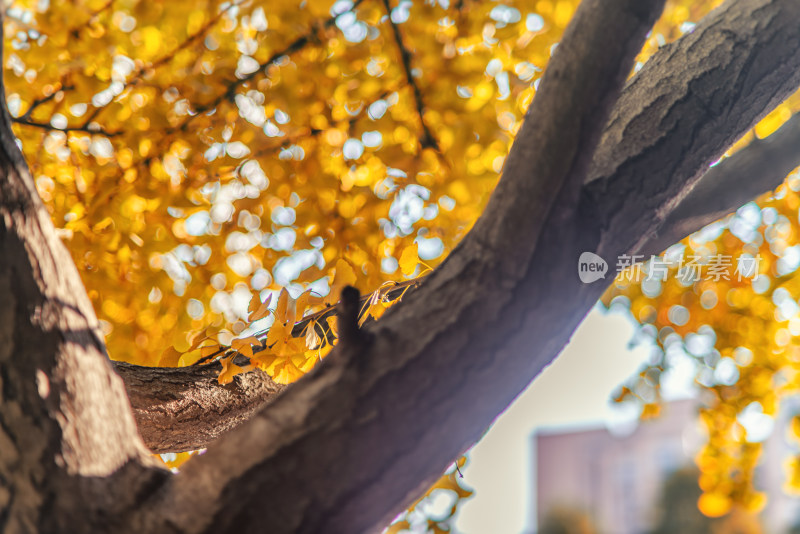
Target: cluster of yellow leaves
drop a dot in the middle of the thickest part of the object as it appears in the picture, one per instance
(295, 340)
(741, 333)
(210, 151)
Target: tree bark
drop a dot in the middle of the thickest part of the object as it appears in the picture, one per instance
(66, 429)
(355, 441)
(702, 93)
(186, 408)
(759, 167)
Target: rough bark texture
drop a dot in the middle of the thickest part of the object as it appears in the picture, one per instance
(66, 430)
(682, 118)
(180, 409)
(362, 435)
(761, 166)
(185, 409)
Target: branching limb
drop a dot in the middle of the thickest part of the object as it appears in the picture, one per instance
(365, 432)
(358, 438)
(756, 168)
(759, 167)
(183, 409)
(86, 128)
(427, 139)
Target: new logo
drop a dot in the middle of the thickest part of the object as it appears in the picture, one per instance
(591, 267)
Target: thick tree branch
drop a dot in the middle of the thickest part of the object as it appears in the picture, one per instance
(369, 428)
(684, 109)
(186, 408)
(359, 437)
(180, 409)
(759, 167)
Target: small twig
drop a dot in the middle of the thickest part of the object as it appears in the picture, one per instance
(233, 85)
(48, 126)
(134, 80)
(398, 289)
(427, 140)
(39, 101)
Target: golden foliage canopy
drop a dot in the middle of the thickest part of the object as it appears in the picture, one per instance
(207, 152)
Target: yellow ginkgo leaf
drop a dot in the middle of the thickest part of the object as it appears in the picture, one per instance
(409, 259)
(169, 358)
(332, 324)
(282, 307)
(323, 351)
(287, 370)
(245, 345)
(301, 304)
(290, 346)
(263, 360)
(258, 310)
(199, 339)
(277, 335)
(229, 370)
(345, 276)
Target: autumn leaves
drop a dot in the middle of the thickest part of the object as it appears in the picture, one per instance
(302, 332)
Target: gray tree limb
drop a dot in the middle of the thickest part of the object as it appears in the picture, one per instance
(66, 429)
(364, 433)
(759, 167)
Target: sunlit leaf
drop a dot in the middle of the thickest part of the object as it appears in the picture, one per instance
(229, 370)
(245, 345)
(409, 259)
(258, 310)
(312, 338)
(170, 357)
(282, 307)
(344, 276)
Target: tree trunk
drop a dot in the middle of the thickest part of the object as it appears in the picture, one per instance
(66, 428)
(351, 444)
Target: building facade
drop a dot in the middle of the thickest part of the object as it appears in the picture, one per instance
(617, 479)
